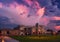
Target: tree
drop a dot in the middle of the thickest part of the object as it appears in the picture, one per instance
(58, 32)
(50, 30)
(17, 27)
(37, 25)
(36, 28)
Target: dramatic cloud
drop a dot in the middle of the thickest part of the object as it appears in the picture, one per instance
(30, 12)
(22, 14)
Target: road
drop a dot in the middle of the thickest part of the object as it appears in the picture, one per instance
(8, 39)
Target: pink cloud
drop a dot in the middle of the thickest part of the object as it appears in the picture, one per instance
(29, 2)
(44, 20)
(1, 5)
(55, 18)
(57, 27)
(23, 11)
(40, 11)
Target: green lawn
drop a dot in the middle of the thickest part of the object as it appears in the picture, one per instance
(49, 38)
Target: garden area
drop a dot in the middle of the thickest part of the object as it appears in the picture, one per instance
(49, 38)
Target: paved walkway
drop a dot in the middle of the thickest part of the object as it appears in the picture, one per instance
(8, 39)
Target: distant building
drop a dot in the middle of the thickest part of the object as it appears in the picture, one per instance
(25, 30)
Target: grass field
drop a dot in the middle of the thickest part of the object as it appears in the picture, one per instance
(49, 38)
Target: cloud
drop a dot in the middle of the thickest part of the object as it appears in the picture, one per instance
(57, 27)
(21, 14)
(55, 18)
(44, 20)
(1, 5)
(29, 12)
